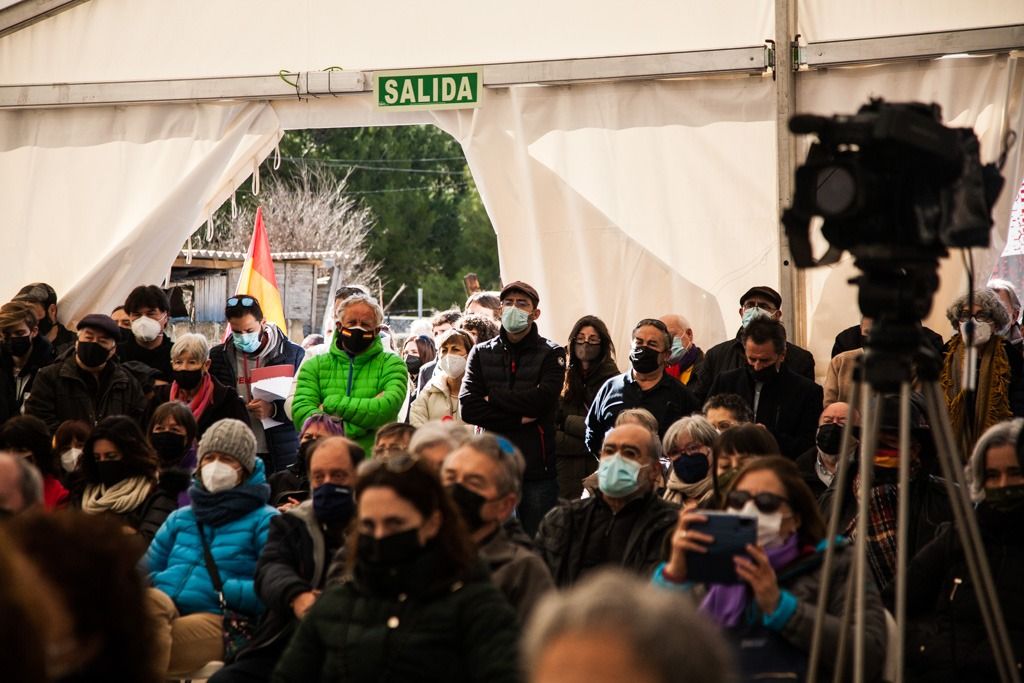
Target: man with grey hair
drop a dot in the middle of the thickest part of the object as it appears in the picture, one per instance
(484, 477)
(21, 485)
(614, 627)
(684, 354)
(356, 380)
(623, 524)
(434, 440)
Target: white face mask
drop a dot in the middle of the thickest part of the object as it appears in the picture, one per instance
(219, 476)
(69, 459)
(768, 525)
(982, 333)
(146, 329)
(453, 366)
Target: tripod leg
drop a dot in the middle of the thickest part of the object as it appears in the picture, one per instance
(868, 446)
(839, 486)
(970, 536)
(903, 521)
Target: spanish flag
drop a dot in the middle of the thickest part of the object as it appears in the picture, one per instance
(258, 279)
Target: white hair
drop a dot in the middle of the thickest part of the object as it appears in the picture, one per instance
(194, 346)
(366, 300)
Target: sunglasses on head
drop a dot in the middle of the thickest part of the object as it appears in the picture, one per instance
(241, 300)
(765, 502)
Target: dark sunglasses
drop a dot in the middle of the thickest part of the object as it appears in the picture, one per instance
(241, 300)
(765, 502)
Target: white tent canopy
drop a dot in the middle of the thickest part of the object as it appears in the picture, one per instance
(643, 177)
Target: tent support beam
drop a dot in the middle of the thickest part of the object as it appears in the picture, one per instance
(918, 46)
(27, 12)
(791, 279)
(750, 60)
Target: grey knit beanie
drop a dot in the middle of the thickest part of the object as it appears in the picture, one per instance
(231, 437)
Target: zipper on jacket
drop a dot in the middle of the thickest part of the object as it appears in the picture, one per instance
(956, 584)
(351, 374)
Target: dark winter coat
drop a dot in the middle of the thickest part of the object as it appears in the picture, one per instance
(282, 440)
(63, 391)
(159, 358)
(730, 355)
(147, 518)
(11, 399)
(566, 535)
(807, 463)
(789, 407)
(506, 382)
(668, 400)
(850, 339)
(516, 569)
(224, 404)
(572, 415)
(447, 631)
(946, 637)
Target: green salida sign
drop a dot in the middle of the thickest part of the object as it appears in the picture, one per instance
(430, 89)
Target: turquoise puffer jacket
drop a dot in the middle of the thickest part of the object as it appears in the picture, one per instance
(177, 567)
(366, 391)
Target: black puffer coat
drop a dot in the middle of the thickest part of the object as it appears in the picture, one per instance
(63, 391)
(445, 631)
(572, 415)
(506, 382)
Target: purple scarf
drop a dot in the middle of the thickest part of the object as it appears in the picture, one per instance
(725, 603)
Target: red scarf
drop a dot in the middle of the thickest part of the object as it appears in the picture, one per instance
(201, 400)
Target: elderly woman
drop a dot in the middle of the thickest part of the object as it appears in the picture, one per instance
(202, 562)
(1000, 369)
(688, 444)
(356, 380)
(946, 638)
(440, 398)
(193, 385)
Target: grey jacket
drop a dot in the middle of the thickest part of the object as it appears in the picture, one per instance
(517, 570)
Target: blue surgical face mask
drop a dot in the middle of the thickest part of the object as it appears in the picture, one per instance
(618, 476)
(677, 350)
(752, 314)
(246, 341)
(514, 320)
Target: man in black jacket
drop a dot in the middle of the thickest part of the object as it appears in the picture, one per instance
(149, 343)
(787, 404)
(88, 384)
(645, 385)
(757, 302)
(511, 387)
(23, 353)
(43, 299)
(255, 343)
(624, 525)
(292, 570)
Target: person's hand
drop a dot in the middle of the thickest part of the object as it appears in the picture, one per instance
(528, 420)
(685, 539)
(260, 409)
(287, 505)
(302, 603)
(757, 571)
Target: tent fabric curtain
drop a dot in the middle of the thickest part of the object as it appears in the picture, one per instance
(100, 200)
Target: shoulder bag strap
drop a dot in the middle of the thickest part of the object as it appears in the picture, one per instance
(211, 567)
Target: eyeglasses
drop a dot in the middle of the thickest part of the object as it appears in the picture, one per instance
(388, 450)
(763, 305)
(590, 341)
(978, 317)
(241, 300)
(397, 462)
(765, 502)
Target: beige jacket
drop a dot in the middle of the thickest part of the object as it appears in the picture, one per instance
(434, 402)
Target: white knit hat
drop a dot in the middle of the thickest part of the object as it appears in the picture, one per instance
(231, 437)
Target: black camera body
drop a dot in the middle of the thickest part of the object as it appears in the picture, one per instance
(896, 189)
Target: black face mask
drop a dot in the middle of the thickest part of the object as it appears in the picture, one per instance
(764, 375)
(18, 346)
(1006, 500)
(644, 359)
(187, 379)
(389, 552)
(333, 504)
(354, 340)
(470, 504)
(170, 447)
(92, 354)
(691, 468)
(413, 364)
(829, 437)
(586, 352)
(45, 325)
(111, 471)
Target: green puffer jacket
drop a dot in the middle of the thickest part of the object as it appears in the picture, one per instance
(366, 391)
(458, 632)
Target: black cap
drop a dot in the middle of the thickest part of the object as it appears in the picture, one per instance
(37, 293)
(764, 292)
(103, 323)
(520, 286)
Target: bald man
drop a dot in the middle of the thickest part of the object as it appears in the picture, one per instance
(818, 464)
(685, 354)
